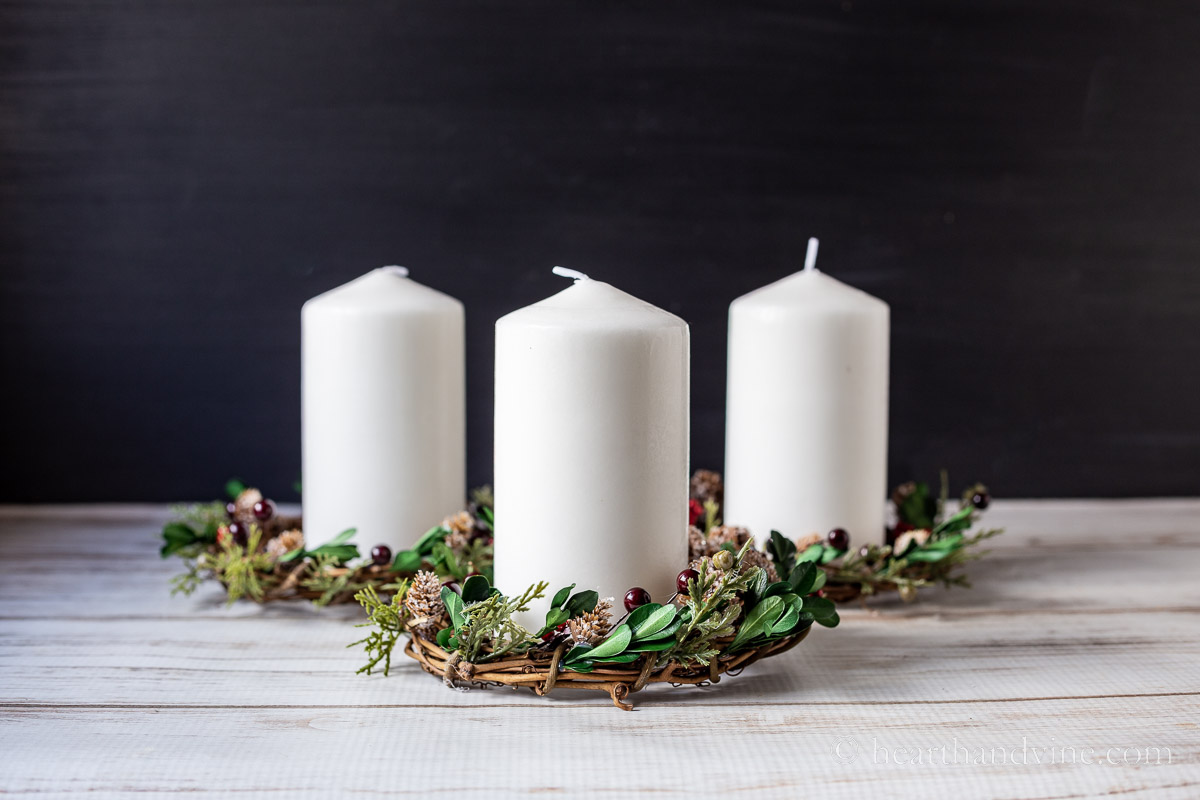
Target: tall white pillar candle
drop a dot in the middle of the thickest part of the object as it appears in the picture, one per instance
(807, 408)
(383, 394)
(591, 460)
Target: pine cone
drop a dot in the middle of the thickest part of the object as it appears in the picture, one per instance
(461, 527)
(591, 627)
(697, 543)
(243, 506)
(424, 603)
(727, 533)
(707, 485)
(757, 558)
(285, 543)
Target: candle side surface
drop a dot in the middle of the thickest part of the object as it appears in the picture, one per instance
(807, 409)
(383, 410)
(591, 445)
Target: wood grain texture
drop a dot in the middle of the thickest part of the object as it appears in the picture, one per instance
(1081, 632)
(1018, 179)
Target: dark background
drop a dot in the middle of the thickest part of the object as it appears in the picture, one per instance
(1019, 180)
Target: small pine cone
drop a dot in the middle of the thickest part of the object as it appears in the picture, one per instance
(462, 522)
(457, 540)
(285, 543)
(243, 506)
(805, 542)
(757, 558)
(707, 485)
(697, 543)
(424, 603)
(591, 627)
(728, 533)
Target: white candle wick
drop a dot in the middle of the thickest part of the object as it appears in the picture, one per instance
(810, 259)
(563, 272)
(392, 269)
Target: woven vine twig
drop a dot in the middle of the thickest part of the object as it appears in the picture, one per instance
(541, 673)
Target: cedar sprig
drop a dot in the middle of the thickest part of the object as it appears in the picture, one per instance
(487, 630)
(388, 618)
(710, 610)
(239, 567)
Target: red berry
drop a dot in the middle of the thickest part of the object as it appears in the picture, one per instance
(980, 500)
(381, 554)
(241, 536)
(838, 539)
(864, 551)
(453, 584)
(637, 596)
(264, 510)
(548, 635)
(695, 511)
(681, 580)
(231, 509)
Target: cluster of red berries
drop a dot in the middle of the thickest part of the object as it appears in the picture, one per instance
(263, 510)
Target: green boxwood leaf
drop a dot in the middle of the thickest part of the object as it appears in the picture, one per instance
(554, 618)
(561, 596)
(654, 623)
(443, 638)
(777, 588)
(454, 607)
(475, 588)
(639, 614)
(951, 542)
(406, 561)
(623, 658)
(342, 537)
(425, 544)
(577, 653)
(812, 553)
(818, 582)
(340, 552)
(782, 551)
(582, 601)
(234, 487)
(178, 532)
(614, 643)
(803, 577)
(790, 616)
(651, 647)
(759, 620)
(959, 521)
(927, 555)
(821, 610)
(666, 632)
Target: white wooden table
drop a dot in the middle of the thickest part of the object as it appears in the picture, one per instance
(1072, 669)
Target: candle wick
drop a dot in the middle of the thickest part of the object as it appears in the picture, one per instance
(810, 258)
(392, 269)
(563, 272)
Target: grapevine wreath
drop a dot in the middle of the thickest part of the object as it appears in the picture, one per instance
(734, 604)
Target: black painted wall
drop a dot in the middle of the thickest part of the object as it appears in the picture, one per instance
(1020, 180)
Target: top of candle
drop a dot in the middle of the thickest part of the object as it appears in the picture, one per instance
(810, 288)
(383, 289)
(589, 303)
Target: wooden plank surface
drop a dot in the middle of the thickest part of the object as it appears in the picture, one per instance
(1079, 637)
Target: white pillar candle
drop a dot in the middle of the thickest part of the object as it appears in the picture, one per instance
(807, 408)
(383, 395)
(591, 460)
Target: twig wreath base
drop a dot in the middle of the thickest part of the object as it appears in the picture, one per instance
(542, 673)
